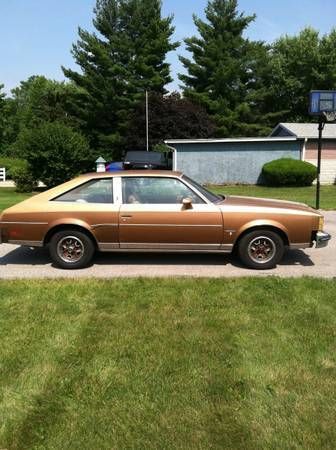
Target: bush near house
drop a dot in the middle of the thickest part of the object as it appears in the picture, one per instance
(289, 172)
(24, 179)
(11, 164)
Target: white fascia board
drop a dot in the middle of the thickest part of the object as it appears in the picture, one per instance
(218, 141)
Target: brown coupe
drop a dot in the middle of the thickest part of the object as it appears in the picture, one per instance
(150, 211)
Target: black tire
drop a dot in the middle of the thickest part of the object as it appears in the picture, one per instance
(261, 249)
(71, 249)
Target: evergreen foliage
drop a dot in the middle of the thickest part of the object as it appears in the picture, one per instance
(232, 86)
(119, 63)
(220, 74)
(2, 116)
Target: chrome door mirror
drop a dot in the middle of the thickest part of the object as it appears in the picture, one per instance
(187, 203)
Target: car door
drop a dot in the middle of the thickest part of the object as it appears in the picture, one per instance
(152, 216)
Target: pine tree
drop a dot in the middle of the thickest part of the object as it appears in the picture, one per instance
(219, 74)
(123, 59)
(2, 116)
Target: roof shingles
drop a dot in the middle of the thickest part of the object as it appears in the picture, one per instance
(305, 130)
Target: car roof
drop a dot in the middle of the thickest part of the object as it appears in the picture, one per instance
(133, 173)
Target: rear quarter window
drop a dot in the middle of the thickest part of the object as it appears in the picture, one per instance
(93, 191)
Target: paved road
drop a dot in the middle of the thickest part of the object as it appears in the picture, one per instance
(20, 262)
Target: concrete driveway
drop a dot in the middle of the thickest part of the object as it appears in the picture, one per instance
(20, 262)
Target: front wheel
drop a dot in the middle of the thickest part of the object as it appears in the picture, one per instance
(261, 249)
(71, 249)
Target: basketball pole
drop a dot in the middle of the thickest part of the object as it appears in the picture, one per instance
(319, 160)
(147, 123)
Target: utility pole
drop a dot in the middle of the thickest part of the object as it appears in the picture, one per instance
(147, 123)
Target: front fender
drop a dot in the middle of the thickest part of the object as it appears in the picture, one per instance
(262, 223)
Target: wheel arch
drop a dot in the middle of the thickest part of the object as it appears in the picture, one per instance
(269, 226)
(79, 226)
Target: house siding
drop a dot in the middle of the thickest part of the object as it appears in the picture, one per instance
(328, 149)
(231, 162)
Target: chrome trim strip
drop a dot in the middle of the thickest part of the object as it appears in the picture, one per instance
(100, 225)
(23, 223)
(105, 246)
(152, 245)
(163, 250)
(26, 243)
(227, 247)
(168, 225)
(298, 246)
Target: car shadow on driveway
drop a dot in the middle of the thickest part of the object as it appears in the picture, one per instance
(161, 259)
(40, 256)
(26, 256)
(291, 258)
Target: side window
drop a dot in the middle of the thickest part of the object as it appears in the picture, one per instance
(94, 191)
(147, 190)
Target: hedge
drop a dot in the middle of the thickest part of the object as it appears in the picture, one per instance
(289, 172)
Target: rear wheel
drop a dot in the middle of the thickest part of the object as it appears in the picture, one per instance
(261, 249)
(71, 249)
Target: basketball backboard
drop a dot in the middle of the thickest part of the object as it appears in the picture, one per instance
(322, 102)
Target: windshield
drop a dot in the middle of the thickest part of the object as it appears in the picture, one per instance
(207, 194)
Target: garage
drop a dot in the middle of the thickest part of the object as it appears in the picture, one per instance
(230, 161)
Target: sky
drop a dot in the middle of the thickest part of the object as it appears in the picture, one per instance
(36, 35)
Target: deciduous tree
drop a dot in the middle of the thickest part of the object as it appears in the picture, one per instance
(170, 117)
(55, 152)
(299, 64)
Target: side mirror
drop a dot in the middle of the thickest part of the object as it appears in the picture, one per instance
(187, 203)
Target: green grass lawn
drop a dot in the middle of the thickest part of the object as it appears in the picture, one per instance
(9, 197)
(168, 364)
(303, 194)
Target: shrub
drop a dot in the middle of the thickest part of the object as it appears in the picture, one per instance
(11, 164)
(162, 148)
(55, 152)
(24, 179)
(289, 172)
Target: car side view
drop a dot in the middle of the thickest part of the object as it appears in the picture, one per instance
(157, 211)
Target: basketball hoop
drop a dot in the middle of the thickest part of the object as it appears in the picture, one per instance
(330, 116)
(322, 105)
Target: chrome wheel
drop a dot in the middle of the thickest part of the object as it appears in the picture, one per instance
(70, 249)
(262, 250)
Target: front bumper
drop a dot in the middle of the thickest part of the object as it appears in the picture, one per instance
(322, 239)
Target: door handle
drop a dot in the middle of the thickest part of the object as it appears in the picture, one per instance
(126, 217)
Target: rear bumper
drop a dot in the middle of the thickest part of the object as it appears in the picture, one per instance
(2, 236)
(322, 239)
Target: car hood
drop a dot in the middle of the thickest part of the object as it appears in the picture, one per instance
(254, 202)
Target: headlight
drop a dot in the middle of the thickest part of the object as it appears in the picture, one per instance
(321, 223)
